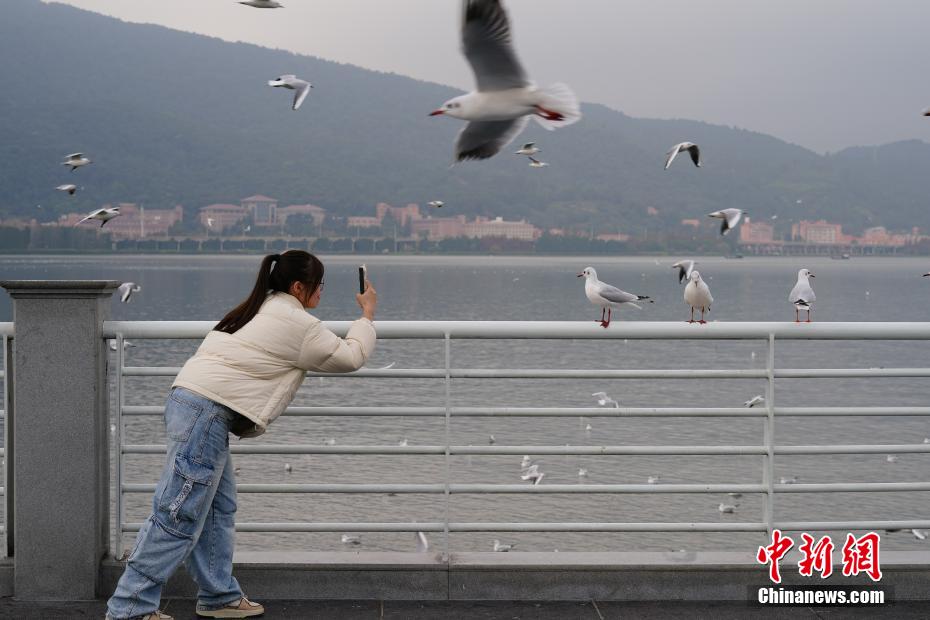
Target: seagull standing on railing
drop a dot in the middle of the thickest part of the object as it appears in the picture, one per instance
(697, 295)
(802, 295)
(499, 109)
(606, 296)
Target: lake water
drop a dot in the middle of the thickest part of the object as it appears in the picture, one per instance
(545, 288)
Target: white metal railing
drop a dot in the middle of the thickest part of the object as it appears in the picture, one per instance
(6, 341)
(447, 331)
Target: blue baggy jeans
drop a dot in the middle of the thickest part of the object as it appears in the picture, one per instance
(193, 513)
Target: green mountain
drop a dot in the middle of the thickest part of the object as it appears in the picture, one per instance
(175, 118)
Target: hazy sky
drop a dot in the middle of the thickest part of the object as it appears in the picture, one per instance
(825, 74)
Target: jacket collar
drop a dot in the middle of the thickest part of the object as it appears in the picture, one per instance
(286, 298)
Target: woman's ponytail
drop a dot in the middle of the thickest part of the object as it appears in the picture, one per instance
(276, 274)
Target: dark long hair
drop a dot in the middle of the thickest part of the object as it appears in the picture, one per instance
(277, 273)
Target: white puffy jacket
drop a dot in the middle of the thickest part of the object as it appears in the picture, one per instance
(257, 370)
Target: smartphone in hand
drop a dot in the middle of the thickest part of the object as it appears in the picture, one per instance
(362, 276)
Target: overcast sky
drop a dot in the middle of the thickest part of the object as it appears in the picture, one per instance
(825, 74)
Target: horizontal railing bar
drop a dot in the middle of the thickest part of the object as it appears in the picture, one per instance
(543, 330)
(570, 412)
(556, 450)
(480, 488)
(852, 487)
(808, 526)
(474, 450)
(849, 373)
(489, 527)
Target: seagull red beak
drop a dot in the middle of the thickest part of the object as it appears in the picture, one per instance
(436, 113)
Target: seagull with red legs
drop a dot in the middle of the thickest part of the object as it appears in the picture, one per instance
(505, 97)
(697, 295)
(606, 296)
(802, 295)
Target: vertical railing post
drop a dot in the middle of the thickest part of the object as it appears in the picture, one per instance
(8, 447)
(768, 472)
(61, 495)
(118, 449)
(446, 557)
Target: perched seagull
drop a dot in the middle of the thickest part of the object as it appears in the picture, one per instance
(535, 163)
(499, 108)
(604, 399)
(727, 508)
(755, 400)
(436, 204)
(126, 289)
(606, 296)
(422, 543)
(529, 149)
(104, 215)
(262, 4)
(802, 295)
(67, 187)
(292, 82)
(75, 160)
(684, 267)
(730, 218)
(697, 295)
(502, 547)
(348, 539)
(691, 147)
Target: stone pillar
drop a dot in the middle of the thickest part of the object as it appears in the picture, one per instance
(61, 491)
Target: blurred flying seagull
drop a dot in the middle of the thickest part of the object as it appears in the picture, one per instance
(926, 274)
(755, 400)
(582, 472)
(262, 4)
(422, 543)
(126, 345)
(603, 399)
(535, 163)
(606, 296)
(67, 187)
(104, 215)
(652, 479)
(329, 441)
(730, 218)
(529, 149)
(727, 508)
(691, 147)
(697, 295)
(292, 82)
(349, 539)
(436, 204)
(499, 109)
(927, 112)
(919, 534)
(498, 546)
(75, 160)
(684, 267)
(126, 289)
(287, 467)
(892, 458)
(802, 295)
(788, 480)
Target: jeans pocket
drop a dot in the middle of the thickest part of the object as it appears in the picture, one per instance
(181, 415)
(183, 501)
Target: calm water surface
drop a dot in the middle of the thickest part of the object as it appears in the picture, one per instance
(545, 288)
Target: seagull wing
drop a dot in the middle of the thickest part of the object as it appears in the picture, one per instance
(91, 216)
(733, 216)
(483, 139)
(672, 155)
(612, 293)
(300, 94)
(487, 45)
(695, 154)
(75, 155)
(802, 292)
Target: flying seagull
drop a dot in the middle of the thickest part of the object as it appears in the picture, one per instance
(755, 400)
(292, 82)
(126, 289)
(730, 218)
(529, 149)
(927, 112)
(263, 4)
(436, 204)
(67, 187)
(535, 163)
(802, 295)
(422, 543)
(500, 107)
(350, 539)
(498, 546)
(727, 508)
(606, 296)
(75, 160)
(691, 147)
(685, 267)
(603, 399)
(697, 295)
(104, 215)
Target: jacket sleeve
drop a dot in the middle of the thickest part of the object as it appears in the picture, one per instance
(324, 351)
